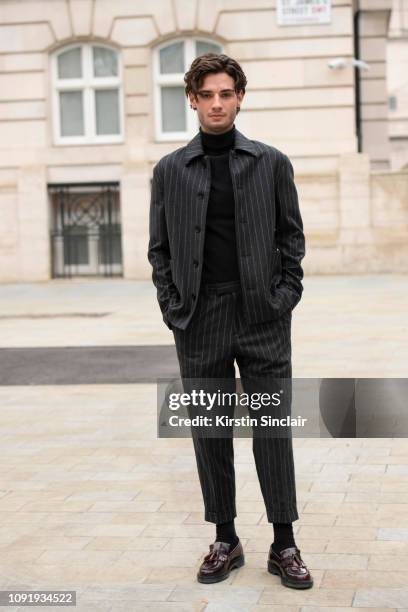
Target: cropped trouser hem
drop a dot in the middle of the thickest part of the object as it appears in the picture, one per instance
(282, 517)
(218, 518)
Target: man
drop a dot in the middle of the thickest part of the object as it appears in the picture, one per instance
(226, 244)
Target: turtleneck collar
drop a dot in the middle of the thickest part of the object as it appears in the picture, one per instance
(215, 144)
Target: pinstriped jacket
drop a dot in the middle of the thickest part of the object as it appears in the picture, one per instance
(268, 223)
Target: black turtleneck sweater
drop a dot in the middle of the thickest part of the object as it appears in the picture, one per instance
(220, 248)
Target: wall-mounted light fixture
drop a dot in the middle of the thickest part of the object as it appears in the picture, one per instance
(337, 63)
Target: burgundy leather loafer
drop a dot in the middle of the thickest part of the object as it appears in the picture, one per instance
(289, 566)
(219, 562)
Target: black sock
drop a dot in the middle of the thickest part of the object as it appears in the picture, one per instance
(283, 536)
(226, 533)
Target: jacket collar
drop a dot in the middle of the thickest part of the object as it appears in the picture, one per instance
(194, 147)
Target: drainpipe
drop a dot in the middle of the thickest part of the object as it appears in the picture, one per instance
(357, 80)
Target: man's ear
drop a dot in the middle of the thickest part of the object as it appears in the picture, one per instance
(240, 96)
(193, 99)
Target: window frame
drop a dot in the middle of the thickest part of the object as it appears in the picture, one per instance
(175, 79)
(87, 84)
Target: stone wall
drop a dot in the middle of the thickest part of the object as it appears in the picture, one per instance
(356, 221)
(294, 101)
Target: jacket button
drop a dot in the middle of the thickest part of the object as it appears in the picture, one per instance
(197, 229)
(195, 263)
(193, 296)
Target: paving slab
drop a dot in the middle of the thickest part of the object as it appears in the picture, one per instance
(91, 499)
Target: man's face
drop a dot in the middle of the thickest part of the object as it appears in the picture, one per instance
(216, 103)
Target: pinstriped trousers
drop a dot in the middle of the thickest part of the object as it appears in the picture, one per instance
(217, 335)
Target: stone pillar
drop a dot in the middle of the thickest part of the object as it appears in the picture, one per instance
(373, 27)
(135, 202)
(34, 251)
(9, 259)
(355, 238)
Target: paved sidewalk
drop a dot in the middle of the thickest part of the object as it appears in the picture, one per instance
(343, 326)
(91, 500)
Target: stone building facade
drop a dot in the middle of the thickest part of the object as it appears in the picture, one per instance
(397, 84)
(91, 97)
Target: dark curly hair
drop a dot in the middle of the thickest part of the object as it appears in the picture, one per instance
(211, 63)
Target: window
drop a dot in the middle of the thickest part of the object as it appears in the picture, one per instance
(174, 120)
(87, 95)
(86, 233)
